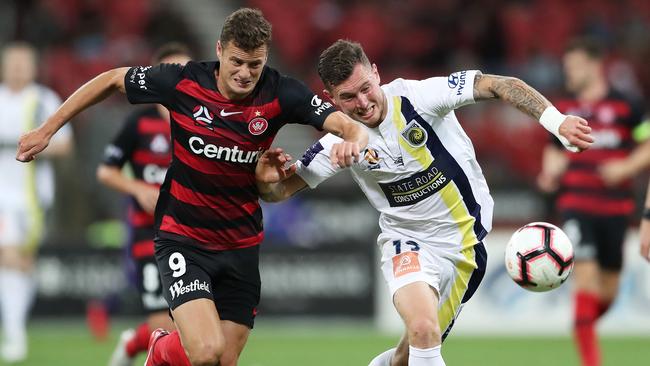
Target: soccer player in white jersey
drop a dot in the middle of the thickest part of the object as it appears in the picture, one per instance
(25, 191)
(419, 170)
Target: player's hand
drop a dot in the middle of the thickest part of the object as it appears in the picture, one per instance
(31, 143)
(344, 154)
(644, 236)
(271, 167)
(614, 172)
(576, 132)
(147, 197)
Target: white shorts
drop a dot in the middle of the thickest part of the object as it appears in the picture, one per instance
(19, 228)
(455, 276)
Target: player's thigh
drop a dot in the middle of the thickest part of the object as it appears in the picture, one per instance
(199, 326)
(415, 301)
(187, 287)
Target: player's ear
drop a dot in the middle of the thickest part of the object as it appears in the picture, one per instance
(219, 49)
(329, 95)
(375, 73)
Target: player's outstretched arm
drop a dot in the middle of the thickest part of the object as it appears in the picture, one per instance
(572, 131)
(94, 91)
(355, 138)
(275, 181)
(145, 194)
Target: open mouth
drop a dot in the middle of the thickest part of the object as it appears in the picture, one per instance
(365, 114)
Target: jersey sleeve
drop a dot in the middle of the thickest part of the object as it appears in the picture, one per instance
(440, 95)
(120, 150)
(152, 84)
(302, 105)
(315, 167)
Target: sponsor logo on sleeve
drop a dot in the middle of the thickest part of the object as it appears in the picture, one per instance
(311, 153)
(138, 76)
(457, 80)
(320, 105)
(113, 152)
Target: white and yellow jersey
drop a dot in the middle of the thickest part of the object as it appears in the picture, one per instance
(24, 185)
(419, 169)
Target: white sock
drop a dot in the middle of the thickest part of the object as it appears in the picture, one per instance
(425, 356)
(383, 359)
(16, 293)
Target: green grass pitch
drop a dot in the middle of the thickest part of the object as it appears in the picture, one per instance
(341, 344)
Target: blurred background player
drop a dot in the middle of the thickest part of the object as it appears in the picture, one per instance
(421, 173)
(144, 143)
(644, 230)
(25, 190)
(594, 191)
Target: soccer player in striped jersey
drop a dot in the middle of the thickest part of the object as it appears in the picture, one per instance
(143, 143)
(25, 191)
(595, 191)
(420, 172)
(223, 115)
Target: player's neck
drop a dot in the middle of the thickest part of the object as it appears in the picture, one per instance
(594, 92)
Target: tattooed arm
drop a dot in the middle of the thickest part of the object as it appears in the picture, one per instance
(511, 90)
(572, 131)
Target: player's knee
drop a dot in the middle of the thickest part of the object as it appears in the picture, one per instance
(424, 333)
(207, 353)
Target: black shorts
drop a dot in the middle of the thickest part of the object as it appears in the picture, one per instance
(149, 285)
(231, 278)
(597, 238)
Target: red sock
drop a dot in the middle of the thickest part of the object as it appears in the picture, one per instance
(139, 342)
(586, 314)
(603, 306)
(169, 351)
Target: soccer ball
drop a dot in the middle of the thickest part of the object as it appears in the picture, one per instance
(539, 257)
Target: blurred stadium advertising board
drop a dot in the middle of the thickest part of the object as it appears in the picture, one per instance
(502, 307)
(336, 280)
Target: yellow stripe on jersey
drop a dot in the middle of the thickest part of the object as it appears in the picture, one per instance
(450, 307)
(34, 210)
(422, 153)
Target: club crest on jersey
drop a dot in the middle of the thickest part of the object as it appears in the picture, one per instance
(203, 117)
(258, 125)
(371, 159)
(414, 134)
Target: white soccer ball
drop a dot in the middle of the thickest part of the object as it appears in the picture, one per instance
(539, 257)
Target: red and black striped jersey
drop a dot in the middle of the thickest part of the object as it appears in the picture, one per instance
(144, 143)
(209, 196)
(612, 121)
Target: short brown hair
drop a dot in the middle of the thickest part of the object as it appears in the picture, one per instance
(337, 62)
(247, 29)
(170, 49)
(592, 47)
